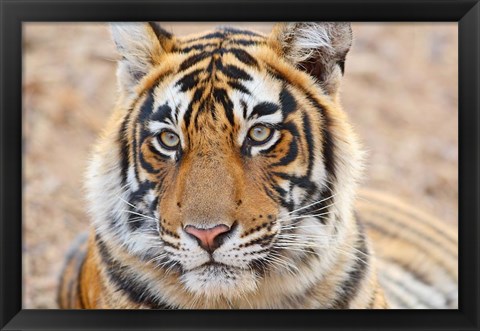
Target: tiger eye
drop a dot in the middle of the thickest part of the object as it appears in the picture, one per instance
(169, 139)
(260, 133)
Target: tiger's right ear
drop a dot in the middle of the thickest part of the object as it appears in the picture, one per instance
(141, 46)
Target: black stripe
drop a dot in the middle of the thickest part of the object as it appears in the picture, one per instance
(391, 220)
(350, 286)
(245, 42)
(395, 297)
(404, 289)
(288, 102)
(264, 241)
(73, 251)
(120, 275)
(145, 111)
(290, 156)
(267, 152)
(293, 146)
(220, 95)
(407, 212)
(421, 278)
(341, 64)
(192, 60)
(281, 194)
(188, 113)
(243, 56)
(264, 108)
(136, 198)
(190, 80)
(71, 293)
(196, 47)
(244, 108)
(307, 131)
(157, 155)
(161, 114)
(124, 147)
(74, 285)
(203, 106)
(440, 263)
(213, 35)
(301, 181)
(270, 193)
(238, 86)
(322, 207)
(134, 221)
(328, 153)
(328, 145)
(236, 31)
(233, 71)
(126, 144)
(79, 267)
(146, 165)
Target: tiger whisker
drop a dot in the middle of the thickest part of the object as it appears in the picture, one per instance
(157, 258)
(129, 203)
(282, 263)
(310, 245)
(138, 214)
(170, 269)
(286, 217)
(300, 249)
(294, 226)
(311, 204)
(303, 238)
(305, 216)
(135, 219)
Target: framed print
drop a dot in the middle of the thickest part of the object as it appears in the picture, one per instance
(203, 165)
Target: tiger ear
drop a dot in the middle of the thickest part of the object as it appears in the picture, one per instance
(141, 46)
(319, 49)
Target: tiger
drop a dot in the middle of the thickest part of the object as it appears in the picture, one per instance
(228, 178)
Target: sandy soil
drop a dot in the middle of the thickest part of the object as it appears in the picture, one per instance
(400, 90)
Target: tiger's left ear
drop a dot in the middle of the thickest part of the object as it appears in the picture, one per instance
(319, 48)
(141, 46)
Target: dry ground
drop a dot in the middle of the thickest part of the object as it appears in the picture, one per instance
(400, 91)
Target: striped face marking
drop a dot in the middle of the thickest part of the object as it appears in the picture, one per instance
(225, 133)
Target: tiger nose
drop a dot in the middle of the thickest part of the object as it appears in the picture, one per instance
(209, 239)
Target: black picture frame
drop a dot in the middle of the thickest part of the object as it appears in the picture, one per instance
(14, 12)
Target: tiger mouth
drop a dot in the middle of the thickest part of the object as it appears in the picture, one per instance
(215, 266)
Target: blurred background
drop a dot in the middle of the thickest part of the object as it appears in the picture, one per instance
(400, 91)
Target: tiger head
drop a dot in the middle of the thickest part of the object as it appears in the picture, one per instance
(228, 159)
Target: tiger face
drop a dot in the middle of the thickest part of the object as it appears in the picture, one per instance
(228, 159)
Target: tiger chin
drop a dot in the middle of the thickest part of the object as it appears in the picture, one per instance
(226, 178)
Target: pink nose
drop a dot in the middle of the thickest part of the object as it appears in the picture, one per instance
(206, 237)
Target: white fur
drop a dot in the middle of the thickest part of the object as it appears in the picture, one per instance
(137, 49)
(307, 40)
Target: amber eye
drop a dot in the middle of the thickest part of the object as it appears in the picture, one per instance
(260, 134)
(169, 140)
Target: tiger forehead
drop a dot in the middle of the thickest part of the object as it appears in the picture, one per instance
(215, 81)
(223, 37)
(216, 50)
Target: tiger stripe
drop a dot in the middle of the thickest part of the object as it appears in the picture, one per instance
(425, 274)
(291, 234)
